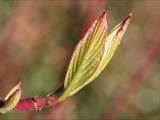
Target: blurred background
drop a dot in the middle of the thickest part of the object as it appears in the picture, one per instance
(37, 38)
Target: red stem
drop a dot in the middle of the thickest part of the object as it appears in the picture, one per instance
(36, 103)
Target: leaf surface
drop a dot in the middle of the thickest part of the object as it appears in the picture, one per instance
(92, 54)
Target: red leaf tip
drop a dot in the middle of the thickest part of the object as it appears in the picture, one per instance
(105, 14)
(19, 84)
(124, 25)
(104, 19)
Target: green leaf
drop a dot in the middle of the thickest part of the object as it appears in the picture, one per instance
(11, 99)
(92, 54)
(86, 56)
(111, 44)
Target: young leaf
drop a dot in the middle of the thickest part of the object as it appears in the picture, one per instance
(92, 54)
(111, 44)
(86, 56)
(11, 99)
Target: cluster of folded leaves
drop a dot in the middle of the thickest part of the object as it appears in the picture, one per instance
(90, 57)
(93, 53)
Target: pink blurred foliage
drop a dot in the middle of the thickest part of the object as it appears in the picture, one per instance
(23, 33)
(136, 80)
(66, 110)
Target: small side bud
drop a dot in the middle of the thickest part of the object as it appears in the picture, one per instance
(11, 99)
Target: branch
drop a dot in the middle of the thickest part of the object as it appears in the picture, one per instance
(12, 101)
(36, 103)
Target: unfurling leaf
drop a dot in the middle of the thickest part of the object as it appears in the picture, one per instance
(92, 54)
(111, 44)
(11, 99)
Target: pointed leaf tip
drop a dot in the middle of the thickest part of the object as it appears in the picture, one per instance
(124, 25)
(120, 29)
(105, 14)
(127, 20)
(104, 17)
